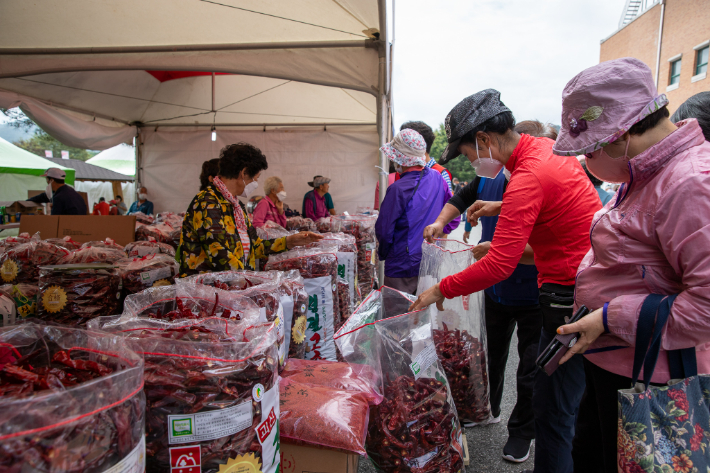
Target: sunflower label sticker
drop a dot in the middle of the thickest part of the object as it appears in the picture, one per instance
(54, 299)
(9, 270)
(298, 331)
(247, 463)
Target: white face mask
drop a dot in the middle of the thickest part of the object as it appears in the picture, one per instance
(486, 167)
(142, 196)
(249, 188)
(398, 168)
(48, 190)
(281, 195)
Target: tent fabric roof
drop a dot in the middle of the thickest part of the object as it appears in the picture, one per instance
(121, 159)
(14, 160)
(89, 172)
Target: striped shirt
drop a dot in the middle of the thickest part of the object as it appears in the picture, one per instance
(444, 174)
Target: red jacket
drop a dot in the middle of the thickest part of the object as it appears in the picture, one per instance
(549, 203)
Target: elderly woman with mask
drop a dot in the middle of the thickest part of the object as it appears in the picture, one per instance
(411, 203)
(653, 238)
(217, 234)
(271, 207)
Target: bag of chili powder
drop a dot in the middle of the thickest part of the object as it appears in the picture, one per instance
(459, 331)
(323, 416)
(190, 301)
(337, 375)
(71, 401)
(262, 288)
(72, 294)
(416, 427)
(319, 269)
(212, 392)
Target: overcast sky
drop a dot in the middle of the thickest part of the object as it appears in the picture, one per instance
(446, 50)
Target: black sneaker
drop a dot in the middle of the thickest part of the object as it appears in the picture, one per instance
(516, 449)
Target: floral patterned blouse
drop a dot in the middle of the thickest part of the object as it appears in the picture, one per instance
(210, 242)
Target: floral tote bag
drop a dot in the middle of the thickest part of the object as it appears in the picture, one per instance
(663, 429)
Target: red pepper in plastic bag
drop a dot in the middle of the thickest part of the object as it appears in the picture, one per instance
(70, 401)
(107, 243)
(72, 294)
(300, 224)
(138, 274)
(336, 375)
(363, 229)
(24, 296)
(20, 263)
(94, 254)
(323, 416)
(65, 242)
(209, 383)
(162, 232)
(137, 249)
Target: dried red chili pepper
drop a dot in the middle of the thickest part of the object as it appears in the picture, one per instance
(363, 229)
(324, 224)
(145, 248)
(94, 254)
(323, 416)
(209, 366)
(143, 218)
(300, 224)
(107, 243)
(161, 232)
(318, 268)
(24, 296)
(411, 430)
(141, 273)
(464, 360)
(72, 294)
(20, 263)
(65, 242)
(62, 410)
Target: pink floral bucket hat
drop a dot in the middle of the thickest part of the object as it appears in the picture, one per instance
(407, 148)
(601, 103)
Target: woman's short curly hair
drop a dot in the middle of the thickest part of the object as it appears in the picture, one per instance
(271, 184)
(241, 156)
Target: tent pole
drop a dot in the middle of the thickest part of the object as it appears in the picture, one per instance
(383, 112)
(138, 179)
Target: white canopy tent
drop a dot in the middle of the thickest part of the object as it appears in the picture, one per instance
(307, 81)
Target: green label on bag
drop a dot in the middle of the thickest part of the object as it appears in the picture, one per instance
(182, 427)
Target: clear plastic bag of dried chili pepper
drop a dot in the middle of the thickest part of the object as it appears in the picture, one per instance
(295, 311)
(264, 289)
(137, 249)
(70, 400)
(459, 331)
(190, 301)
(66, 242)
(416, 427)
(211, 388)
(106, 243)
(72, 294)
(161, 232)
(152, 270)
(271, 230)
(323, 416)
(20, 263)
(346, 252)
(362, 227)
(24, 297)
(94, 254)
(319, 269)
(300, 224)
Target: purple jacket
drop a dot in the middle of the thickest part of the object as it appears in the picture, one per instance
(403, 215)
(653, 238)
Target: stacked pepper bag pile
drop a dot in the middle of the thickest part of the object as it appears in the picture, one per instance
(362, 227)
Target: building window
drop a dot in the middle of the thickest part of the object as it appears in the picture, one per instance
(675, 72)
(701, 60)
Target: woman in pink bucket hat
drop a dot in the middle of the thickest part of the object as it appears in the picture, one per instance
(653, 237)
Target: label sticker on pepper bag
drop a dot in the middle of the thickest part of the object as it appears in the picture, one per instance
(268, 430)
(319, 332)
(149, 278)
(185, 459)
(54, 299)
(257, 392)
(9, 270)
(134, 462)
(203, 426)
(423, 361)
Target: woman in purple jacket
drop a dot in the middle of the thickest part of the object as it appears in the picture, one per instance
(411, 203)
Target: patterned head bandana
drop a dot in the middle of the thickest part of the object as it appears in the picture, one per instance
(408, 148)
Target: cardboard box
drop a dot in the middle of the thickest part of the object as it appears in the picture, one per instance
(299, 459)
(83, 228)
(46, 225)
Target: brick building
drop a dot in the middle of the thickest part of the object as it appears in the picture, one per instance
(681, 63)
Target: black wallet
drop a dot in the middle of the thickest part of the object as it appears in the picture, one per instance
(549, 359)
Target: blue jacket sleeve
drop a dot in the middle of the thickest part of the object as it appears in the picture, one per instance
(149, 208)
(391, 209)
(134, 208)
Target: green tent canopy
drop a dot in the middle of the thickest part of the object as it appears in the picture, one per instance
(14, 160)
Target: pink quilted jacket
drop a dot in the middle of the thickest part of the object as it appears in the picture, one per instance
(654, 237)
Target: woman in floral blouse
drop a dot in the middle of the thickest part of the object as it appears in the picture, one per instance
(217, 234)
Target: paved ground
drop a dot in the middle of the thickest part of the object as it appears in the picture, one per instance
(485, 444)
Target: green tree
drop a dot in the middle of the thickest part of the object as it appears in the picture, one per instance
(460, 166)
(41, 141)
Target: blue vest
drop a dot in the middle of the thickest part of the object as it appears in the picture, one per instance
(521, 287)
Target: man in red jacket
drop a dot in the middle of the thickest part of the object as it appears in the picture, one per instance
(549, 203)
